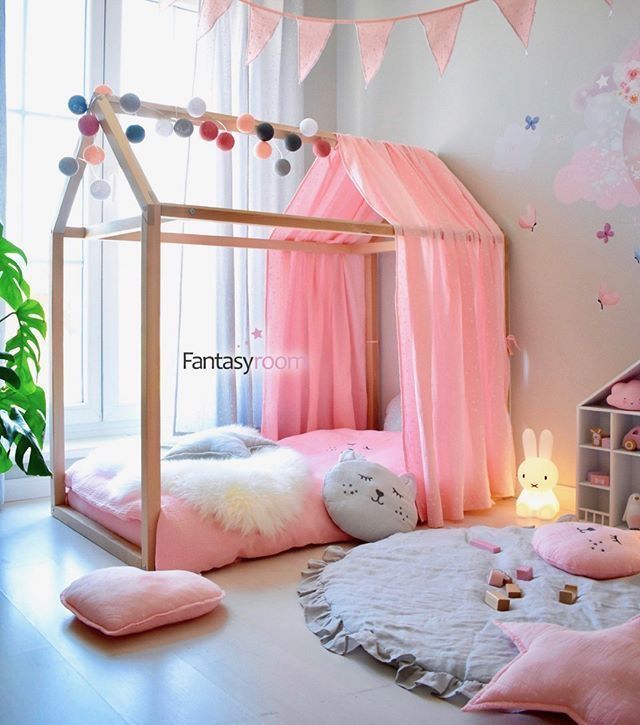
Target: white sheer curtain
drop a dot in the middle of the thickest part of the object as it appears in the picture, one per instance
(214, 297)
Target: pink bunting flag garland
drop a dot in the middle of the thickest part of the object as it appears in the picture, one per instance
(519, 14)
(262, 25)
(312, 40)
(210, 12)
(373, 39)
(441, 29)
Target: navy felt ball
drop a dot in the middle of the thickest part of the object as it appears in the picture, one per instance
(292, 142)
(69, 166)
(135, 133)
(130, 103)
(77, 105)
(264, 131)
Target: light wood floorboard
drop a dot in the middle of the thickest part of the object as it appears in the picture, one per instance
(250, 661)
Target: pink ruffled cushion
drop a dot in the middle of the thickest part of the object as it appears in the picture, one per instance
(123, 600)
(590, 676)
(590, 550)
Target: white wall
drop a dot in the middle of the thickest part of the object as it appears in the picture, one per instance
(569, 346)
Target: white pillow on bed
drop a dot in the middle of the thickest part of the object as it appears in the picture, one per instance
(393, 414)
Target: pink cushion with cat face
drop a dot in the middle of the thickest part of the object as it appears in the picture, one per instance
(123, 600)
(590, 550)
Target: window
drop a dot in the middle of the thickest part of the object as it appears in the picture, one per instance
(91, 42)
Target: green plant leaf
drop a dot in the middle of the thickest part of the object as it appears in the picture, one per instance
(18, 435)
(9, 377)
(25, 344)
(14, 289)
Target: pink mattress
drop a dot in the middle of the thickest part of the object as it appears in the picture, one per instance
(188, 540)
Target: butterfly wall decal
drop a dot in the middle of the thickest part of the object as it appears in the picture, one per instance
(531, 123)
(607, 299)
(529, 219)
(606, 233)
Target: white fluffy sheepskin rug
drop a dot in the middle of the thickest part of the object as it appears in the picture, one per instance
(260, 494)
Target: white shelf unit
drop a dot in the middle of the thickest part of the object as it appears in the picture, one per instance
(606, 504)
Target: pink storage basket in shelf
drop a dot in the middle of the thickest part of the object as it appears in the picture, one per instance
(598, 479)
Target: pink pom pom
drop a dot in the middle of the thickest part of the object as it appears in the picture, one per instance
(246, 123)
(103, 91)
(321, 147)
(208, 131)
(225, 141)
(93, 155)
(88, 125)
(262, 150)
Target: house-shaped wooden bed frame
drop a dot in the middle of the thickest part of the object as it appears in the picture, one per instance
(147, 230)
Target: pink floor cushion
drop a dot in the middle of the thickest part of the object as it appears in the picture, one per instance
(590, 676)
(124, 600)
(590, 550)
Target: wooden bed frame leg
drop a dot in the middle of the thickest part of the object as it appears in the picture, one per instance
(372, 350)
(56, 423)
(150, 383)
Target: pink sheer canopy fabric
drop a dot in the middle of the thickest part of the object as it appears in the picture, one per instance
(454, 369)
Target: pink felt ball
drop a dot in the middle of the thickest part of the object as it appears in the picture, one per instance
(321, 147)
(262, 150)
(208, 131)
(245, 123)
(93, 155)
(103, 91)
(225, 141)
(88, 125)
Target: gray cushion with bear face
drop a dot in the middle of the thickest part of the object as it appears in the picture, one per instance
(367, 500)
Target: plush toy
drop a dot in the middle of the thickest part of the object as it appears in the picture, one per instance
(632, 512)
(367, 500)
(538, 476)
(625, 395)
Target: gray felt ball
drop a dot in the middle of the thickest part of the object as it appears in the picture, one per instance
(130, 103)
(282, 167)
(69, 166)
(183, 128)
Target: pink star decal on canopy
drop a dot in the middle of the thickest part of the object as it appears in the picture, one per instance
(256, 333)
(593, 677)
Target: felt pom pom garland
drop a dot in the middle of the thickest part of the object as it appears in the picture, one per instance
(183, 127)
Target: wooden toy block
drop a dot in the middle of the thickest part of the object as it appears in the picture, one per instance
(507, 578)
(487, 545)
(496, 578)
(514, 591)
(524, 573)
(497, 601)
(566, 596)
(571, 588)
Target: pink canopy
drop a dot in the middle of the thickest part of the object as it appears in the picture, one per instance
(450, 311)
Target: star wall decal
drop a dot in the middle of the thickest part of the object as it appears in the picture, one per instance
(256, 333)
(603, 81)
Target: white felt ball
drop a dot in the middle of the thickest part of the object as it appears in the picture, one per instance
(100, 189)
(308, 127)
(164, 127)
(196, 107)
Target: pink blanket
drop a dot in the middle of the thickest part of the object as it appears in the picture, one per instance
(188, 540)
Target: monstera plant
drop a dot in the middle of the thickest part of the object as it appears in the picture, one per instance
(22, 400)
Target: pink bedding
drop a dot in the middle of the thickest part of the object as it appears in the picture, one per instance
(188, 540)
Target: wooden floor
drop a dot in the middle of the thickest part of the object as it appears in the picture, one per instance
(250, 661)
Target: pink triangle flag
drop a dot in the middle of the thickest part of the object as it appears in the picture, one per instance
(373, 39)
(519, 14)
(312, 40)
(210, 12)
(441, 29)
(262, 25)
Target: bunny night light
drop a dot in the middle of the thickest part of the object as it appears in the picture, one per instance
(538, 476)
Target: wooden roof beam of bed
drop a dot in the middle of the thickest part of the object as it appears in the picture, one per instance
(160, 110)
